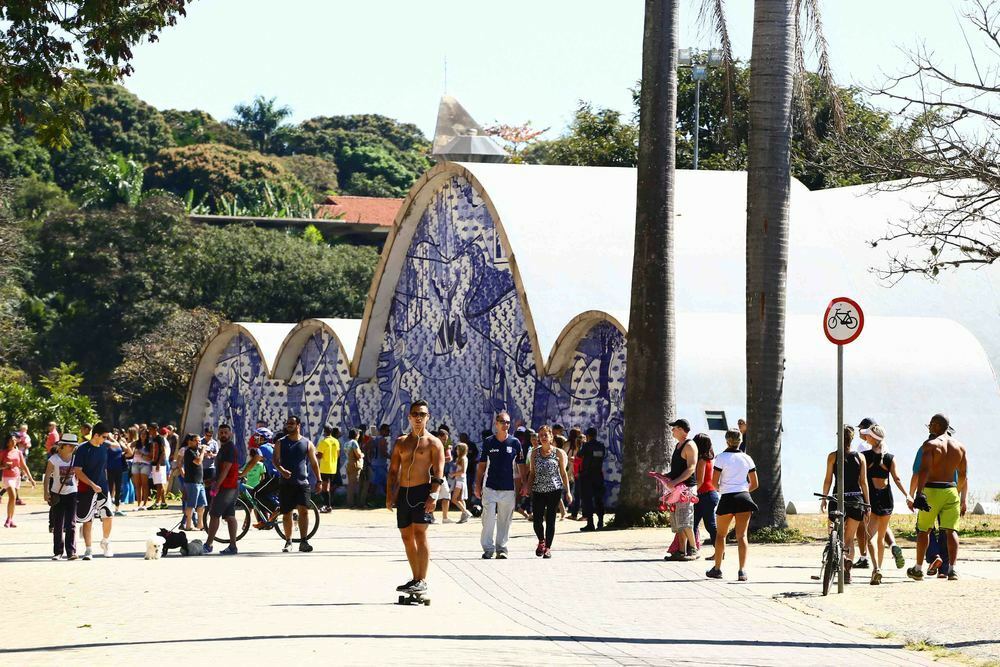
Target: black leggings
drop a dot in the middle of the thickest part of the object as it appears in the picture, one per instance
(545, 505)
(115, 485)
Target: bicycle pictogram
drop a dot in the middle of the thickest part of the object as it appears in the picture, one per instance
(845, 317)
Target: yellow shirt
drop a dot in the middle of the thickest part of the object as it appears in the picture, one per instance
(329, 447)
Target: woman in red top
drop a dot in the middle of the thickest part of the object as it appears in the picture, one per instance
(13, 464)
(708, 495)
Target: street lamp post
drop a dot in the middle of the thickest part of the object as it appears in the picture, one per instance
(699, 62)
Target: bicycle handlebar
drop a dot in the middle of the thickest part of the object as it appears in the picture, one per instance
(848, 496)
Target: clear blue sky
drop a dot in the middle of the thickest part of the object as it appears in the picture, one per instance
(511, 61)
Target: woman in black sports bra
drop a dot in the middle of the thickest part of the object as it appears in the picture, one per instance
(880, 464)
(855, 490)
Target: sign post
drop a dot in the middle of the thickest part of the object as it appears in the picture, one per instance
(842, 324)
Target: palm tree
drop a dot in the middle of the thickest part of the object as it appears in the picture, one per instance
(259, 120)
(649, 400)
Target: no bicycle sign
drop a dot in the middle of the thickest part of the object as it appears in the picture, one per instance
(843, 321)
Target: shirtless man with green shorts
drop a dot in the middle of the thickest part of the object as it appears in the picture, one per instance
(942, 487)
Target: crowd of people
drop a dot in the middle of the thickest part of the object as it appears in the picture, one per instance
(548, 475)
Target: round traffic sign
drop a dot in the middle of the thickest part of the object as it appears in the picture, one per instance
(843, 321)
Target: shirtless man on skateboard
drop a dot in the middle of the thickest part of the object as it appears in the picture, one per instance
(416, 471)
(942, 486)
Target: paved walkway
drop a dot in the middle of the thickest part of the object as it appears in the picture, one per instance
(603, 599)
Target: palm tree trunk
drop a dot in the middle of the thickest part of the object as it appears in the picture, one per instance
(649, 399)
(768, 191)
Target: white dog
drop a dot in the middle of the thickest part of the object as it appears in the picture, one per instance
(154, 547)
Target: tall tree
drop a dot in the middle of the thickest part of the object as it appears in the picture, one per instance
(649, 399)
(772, 74)
(260, 120)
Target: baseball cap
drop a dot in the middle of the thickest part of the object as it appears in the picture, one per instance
(520, 429)
(867, 422)
(682, 423)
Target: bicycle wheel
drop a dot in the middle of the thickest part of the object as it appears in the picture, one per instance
(313, 512)
(833, 322)
(829, 567)
(850, 322)
(243, 515)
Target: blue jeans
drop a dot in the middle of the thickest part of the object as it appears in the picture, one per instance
(704, 510)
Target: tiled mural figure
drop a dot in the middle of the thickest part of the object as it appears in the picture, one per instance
(455, 337)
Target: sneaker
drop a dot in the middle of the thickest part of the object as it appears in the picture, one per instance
(288, 547)
(406, 586)
(932, 569)
(501, 555)
(72, 557)
(465, 517)
(714, 573)
(119, 513)
(487, 555)
(207, 548)
(106, 549)
(588, 528)
(915, 573)
(547, 553)
(861, 563)
(231, 550)
(417, 587)
(674, 555)
(540, 549)
(741, 576)
(58, 557)
(897, 553)
(952, 575)
(87, 555)
(876, 578)
(305, 547)
(447, 521)
(140, 508)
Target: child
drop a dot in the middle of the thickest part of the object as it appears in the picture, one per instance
(194, 481)
(59, 486)
(14, 465)
(460, 493)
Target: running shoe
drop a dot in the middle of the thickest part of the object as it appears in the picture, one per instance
(58, 557)
(288, 547)
(106, 549)
(417, 587)
(540, 549)
(447, 521)
(207, 548)
(406, 586)
(741, 576)
(547, 553)
(465, 517)
(87, 555)
(952, 575)
(714, 573)
(72, 557)
(932, 569)
(501, 555)
(305, 547)
(876, 578)
(231, 550)
(915, 573)
(119, 513)
(897, 553)
(487, 555)
(140, 508)
(862, 563)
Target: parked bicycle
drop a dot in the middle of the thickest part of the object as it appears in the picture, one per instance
(833, 553)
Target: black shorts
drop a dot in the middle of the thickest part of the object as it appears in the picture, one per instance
(882, 504)
(291, 495)
(735, 503)
(410, 505)
(91, 505)
(331, 477)
(853, 511)
(208, 475)
(223, 504)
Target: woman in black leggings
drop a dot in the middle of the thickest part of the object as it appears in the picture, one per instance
(548, 482)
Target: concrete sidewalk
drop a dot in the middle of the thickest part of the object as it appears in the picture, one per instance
(605, 598)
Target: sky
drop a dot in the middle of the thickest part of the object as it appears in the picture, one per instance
(509, 62)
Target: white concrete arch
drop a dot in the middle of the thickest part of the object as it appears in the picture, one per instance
(344, 331)
(563, 349)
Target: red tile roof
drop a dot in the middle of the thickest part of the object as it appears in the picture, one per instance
(367, 210)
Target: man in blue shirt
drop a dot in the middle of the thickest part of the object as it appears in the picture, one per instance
(90, 463)
(495, 476)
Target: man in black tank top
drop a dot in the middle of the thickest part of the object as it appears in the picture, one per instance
(293, 456)
(683, 463)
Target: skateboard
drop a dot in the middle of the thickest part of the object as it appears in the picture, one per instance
(414, 598)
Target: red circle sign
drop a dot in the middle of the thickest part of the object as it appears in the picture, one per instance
(843, 321)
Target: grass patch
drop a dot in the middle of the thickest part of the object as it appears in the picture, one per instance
(884, 634)
(926, 647)
(771, 535)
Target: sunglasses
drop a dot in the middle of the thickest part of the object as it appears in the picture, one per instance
(503, 421)
(420, 415)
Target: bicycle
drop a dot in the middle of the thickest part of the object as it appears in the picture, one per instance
(833, 553)
(842, 317)
(249, 506)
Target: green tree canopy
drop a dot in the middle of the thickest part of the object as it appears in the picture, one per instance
(316, 173)
(199, 127)
(596, 138)
(259, 120)
(44, 43)
(215, 173)
(23, 156)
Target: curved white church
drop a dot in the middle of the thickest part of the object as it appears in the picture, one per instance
(508, 286)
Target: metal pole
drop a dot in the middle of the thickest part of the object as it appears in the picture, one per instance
(697, 119)
(840, 460)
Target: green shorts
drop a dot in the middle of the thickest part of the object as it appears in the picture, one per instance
(945, 505)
